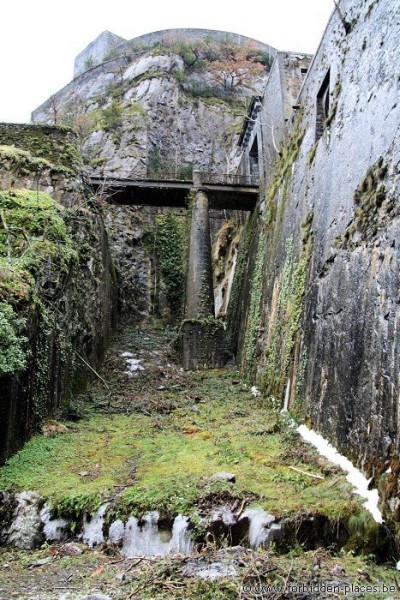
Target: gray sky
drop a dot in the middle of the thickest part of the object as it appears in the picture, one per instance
(39, 40)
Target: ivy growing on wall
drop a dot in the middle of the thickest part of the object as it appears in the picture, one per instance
(285, 316)
(254, 315)
(12, 351)
(170, 241)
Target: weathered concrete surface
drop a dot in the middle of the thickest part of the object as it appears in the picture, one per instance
(203, 344)
(267, 125)
(199, 284)
(328, 307)
(96, 51)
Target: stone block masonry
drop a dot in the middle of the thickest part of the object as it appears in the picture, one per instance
(96, 51)
(326, 306)
(203, 344)
(202, 334)
(199, 287)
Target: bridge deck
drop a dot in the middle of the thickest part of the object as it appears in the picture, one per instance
(155, 192)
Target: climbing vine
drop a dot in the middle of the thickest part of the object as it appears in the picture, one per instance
(285, 323)
(12, 344)
(171, 249)
(254, 314)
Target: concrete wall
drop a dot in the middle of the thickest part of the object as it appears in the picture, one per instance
(322, 324)
(96, 51)
(269, 121)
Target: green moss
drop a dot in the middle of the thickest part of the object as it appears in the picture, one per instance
(289, 153)
(332, 113)
(170, 244)
(12, 351)
(311, 155)
(368, 199)
(33, 231)
(366, 535)
(285, 319)
(24, 162)
(165, 461)
(57, 145)
(254, 313)
(34, 245)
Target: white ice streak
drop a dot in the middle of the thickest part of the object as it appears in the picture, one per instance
(354, 476)
(55, 530)
(93, 527)
(143, 538)
(261, 526)
(134, 364)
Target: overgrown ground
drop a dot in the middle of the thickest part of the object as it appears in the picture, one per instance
(152, 440)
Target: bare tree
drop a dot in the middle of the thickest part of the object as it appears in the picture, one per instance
(54, 108)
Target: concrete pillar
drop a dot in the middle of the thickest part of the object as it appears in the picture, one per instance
(203, 336)
(199, 286)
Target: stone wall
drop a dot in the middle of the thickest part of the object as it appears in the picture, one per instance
(62, 290)
(106, 41)
(149, 249)
(96, 51)
(266, 126)
(322, 320)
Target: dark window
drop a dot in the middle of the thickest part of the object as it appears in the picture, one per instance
(303, 70)
(322, 107)
(254, 166)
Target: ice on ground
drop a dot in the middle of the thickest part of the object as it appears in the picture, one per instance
(354, 475)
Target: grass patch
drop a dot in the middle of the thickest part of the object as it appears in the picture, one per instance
(195, 426)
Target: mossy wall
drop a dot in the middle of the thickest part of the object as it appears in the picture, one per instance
(325, 340)
(149, 247)
(267, 300)
(57, 302)
(54, 144)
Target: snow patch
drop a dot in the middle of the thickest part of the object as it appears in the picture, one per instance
(354, 476)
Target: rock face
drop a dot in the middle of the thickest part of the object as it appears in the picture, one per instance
(26, 528)
(157, 110)
(321, 327)
(56, 275)
(153, 112)
(149, 248)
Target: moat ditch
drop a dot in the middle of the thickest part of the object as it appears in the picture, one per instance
(188, 479)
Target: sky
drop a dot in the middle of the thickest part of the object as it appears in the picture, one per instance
(39, 40)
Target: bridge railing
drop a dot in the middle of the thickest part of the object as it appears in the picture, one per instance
(208, 177)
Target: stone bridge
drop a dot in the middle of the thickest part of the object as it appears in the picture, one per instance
(224, 191)
(202, 336)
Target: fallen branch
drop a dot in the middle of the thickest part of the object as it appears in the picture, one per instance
(305, 473)
(92, 369)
